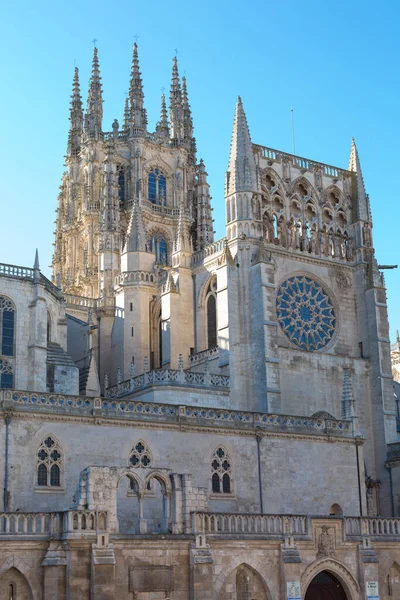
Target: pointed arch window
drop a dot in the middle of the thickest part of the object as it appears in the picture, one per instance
(140, 455)
(7, 324)
(158, 245)
(157, 187)
(121, 183)
(221, 472)
(49, 463)
(211, 314)
(7, 345)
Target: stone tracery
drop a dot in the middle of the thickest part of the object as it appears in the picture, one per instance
(305, 313)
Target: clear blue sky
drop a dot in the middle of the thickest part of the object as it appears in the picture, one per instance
(336, 63)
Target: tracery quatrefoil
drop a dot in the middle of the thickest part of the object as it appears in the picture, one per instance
(305, 313)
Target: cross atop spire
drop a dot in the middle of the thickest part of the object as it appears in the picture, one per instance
(359, 193)
(136, 96)
(94, 112)
(242, 171)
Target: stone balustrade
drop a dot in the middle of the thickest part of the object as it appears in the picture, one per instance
(52, 524)
(166, 377)
(15, 271)
(38, 525)
(85, 302)
(374, 527)
(250, 524)
(299, 161)
(125, 408)
(207, 251)
(200, 357)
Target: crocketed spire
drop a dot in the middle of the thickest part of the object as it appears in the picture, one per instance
(162, 127)
(242, 172)
(175, 104)
(94, 111)
(187, 114)
(136, 232)
(76, 115)
(136, 97)
(127, 117)
(361, 197)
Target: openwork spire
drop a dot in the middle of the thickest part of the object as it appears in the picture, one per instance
(127, 118)
(187, 113)
(242, 172)
(76, 115)
(94, 111)
(175, 104)
(359, 193)
(136, 96)
(136, 232)
(162, 127)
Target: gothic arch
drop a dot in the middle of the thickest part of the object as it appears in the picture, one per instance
(336, 568)
(274, 175)
(391, 582)
(158, 163)
(132, 475)
(335, 190)
(162, 480)
(15, 572)
(301, 180)
(256, 566)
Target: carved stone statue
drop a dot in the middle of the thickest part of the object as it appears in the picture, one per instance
(326, 542)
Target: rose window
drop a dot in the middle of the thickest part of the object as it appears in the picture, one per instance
(305, 313)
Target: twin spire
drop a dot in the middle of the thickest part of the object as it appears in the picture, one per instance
(179, 126)
(242, 170)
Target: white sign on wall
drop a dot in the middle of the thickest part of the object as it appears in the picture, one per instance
(372, 590)
(293, 590)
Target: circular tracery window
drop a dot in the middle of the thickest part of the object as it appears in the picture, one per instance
(305, 313)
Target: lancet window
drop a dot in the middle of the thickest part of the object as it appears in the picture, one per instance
(49, 463)
(121, 183)
(221, 472)
(140, 455)
(211, 310)
(7, 346)
(157, 187)
(158, 245)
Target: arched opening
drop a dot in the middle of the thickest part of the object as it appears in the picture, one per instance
(48, 327)
(156, 505)
(13, 586)
(128, 505)
(392, 582)
(211, 314)
(325, 586)
(336, 510)
(244, 583)
(157, 187)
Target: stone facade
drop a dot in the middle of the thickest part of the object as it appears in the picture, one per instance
(190, 418)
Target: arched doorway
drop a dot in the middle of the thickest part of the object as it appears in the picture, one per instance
(13, 586)
(325, 586)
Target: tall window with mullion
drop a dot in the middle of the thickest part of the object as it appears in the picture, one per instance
(7, 346)
(49, 463)
(221, 472)
(211, 314)
(157, 187)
